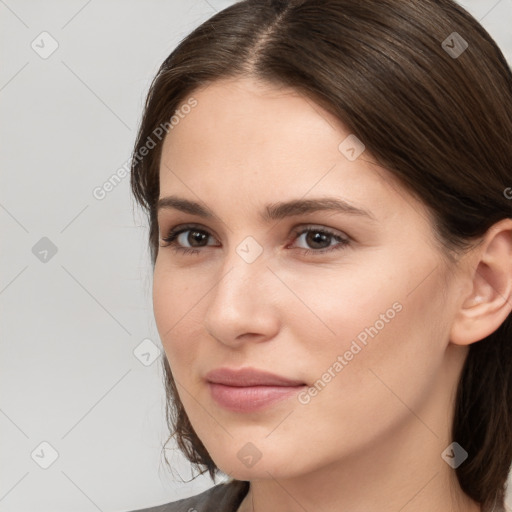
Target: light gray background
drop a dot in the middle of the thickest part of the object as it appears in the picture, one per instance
(70, 324)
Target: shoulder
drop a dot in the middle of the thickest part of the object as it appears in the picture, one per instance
(225, 497)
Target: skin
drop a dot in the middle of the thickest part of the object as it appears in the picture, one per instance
(372, 438)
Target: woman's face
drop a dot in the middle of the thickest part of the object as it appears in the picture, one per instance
(360, 322)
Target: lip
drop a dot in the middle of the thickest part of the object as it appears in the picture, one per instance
(249, 389)
(249, 377)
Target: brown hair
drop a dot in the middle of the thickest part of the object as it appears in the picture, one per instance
(439, 119)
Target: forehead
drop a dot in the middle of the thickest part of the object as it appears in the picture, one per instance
(236, 113)
(257, 141)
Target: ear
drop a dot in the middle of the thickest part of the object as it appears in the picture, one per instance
(489, 303)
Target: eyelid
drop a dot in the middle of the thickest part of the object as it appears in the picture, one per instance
(301, 228)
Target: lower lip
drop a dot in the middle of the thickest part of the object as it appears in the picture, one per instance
(250, 398)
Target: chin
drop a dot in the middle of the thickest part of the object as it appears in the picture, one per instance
(263, 469)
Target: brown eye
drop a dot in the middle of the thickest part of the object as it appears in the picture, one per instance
(319, 240)
(187, 239)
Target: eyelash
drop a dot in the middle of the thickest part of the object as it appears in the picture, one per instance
(173, 234)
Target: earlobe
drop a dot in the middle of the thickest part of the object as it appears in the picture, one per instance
(490, 301)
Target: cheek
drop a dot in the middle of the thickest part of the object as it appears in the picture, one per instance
(175, 311)
(370, 325)
(340, 305)
(174, 295)
(387, 355)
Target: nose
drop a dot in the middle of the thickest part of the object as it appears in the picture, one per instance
(243, 304)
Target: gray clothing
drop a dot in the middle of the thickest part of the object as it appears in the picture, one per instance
(225, 497)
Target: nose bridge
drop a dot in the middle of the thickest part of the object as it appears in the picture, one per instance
(238, 303)
(243, 274)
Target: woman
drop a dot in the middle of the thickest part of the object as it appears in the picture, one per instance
(328, 187)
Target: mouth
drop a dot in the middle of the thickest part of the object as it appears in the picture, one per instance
(248, 389)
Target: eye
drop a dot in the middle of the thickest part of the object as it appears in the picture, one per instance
(189, 239)
(178, 236)
(315, 236)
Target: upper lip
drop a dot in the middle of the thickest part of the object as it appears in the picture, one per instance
(248, 377)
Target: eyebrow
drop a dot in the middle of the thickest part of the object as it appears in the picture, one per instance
(273, 211)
